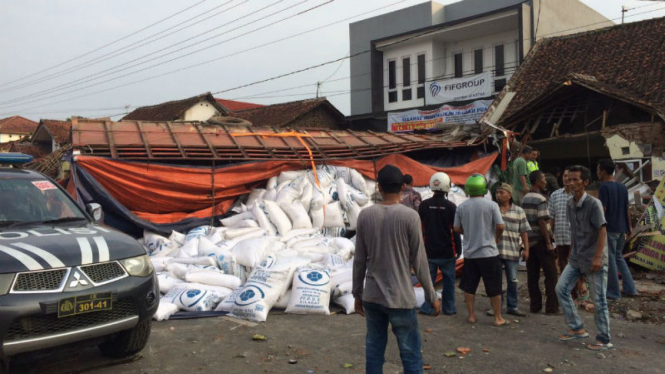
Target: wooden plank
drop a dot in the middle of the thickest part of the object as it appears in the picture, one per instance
(148, 149)
(111, 139)
(241, 148)
(175, 140)
(206, 140)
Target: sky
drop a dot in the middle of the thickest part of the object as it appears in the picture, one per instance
(103, 58)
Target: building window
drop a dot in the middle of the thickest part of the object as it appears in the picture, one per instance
(406, 72)
(392, 96)
(478, 60)
(406, 94)
(499, 84)
(420, 92)
(392, 75)
(459, 71)
(421, 69)
(499, 61)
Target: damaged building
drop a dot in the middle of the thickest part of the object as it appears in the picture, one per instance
(592, 95)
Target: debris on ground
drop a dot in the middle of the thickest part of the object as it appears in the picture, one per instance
(463, 350)
(259, 337)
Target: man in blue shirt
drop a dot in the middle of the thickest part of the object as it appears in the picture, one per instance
(614, 197)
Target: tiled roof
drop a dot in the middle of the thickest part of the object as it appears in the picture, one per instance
(61, 131)
(280, 115)
(626, 60)
(171, 110)
(28, 149)
(235, 106)
(17, 125)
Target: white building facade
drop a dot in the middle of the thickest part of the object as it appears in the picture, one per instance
(430, 42)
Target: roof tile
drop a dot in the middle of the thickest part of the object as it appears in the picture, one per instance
(17, 125)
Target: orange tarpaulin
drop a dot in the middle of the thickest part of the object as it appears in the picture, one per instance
(166, 194)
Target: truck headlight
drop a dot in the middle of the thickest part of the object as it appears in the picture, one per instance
(5, 283)
(139, 266)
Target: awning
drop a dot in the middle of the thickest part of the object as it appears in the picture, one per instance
(194, 141)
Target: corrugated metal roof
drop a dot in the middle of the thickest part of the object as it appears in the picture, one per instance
(173, 141)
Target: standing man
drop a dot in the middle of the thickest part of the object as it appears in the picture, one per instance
(532, 163)
(479, 220)
(614, 197)
(443, 245)
(588, 257)
(541, 251)
(410, 197)
(560, 223)
(516, 227)
(520, 176)
(389, 243)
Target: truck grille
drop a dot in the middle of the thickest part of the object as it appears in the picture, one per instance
(100, 273)
(50, 280)
(49, 324)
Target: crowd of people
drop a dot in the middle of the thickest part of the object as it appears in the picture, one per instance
(573, 238)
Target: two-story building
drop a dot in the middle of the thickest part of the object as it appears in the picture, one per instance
(429, 55)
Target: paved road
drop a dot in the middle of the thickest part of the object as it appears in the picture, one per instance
(323, 344)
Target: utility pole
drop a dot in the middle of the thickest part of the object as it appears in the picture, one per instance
(623, 13)
(318, 85)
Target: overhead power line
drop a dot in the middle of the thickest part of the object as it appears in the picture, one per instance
(122, 50)
(300, 70)
(108, 44)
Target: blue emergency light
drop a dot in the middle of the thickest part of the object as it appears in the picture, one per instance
(15, 158)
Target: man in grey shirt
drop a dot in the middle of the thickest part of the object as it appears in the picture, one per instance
(588, 257)
(480, 221)
(389, 243)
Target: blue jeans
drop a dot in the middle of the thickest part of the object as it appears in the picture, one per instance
(597, 281)
(405, 327)
(615, 243)
(447, 266)
(511, 283)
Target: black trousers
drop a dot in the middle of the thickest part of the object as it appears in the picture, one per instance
(541, 258)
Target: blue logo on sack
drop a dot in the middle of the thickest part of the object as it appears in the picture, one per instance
(434, 88)
(193, 293)
(247, 295)
(314, 276)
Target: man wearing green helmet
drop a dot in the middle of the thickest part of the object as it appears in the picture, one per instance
(480, 221)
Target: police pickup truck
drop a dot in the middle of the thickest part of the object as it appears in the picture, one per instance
(64, 278)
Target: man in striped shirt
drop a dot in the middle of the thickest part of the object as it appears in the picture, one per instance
(560, 223)
(516, 227)
(541, 251)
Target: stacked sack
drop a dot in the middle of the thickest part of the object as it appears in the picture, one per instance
(285, 249)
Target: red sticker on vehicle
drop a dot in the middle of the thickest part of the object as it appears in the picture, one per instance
(45, 185)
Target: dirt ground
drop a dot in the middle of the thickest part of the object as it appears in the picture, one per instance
(326, 344)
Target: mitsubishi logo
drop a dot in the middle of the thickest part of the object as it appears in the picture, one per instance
(77, 281)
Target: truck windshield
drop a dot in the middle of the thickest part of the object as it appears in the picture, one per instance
(25, 201)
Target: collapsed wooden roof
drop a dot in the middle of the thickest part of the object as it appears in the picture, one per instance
(181, 141)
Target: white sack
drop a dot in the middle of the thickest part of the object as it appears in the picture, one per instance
(332, 260)
(290, 175)
(159, 263)
(254, 196)
(251, 235)
(348, 302)
(307, 194)
(259, 295)
(193, 300)
(246, 223)
(220, 291)
(230, 221)
(297, 214)
(197, 232)
(227, 304)
(200, 260)
(263, 220)
(333, 232)
(214, 279)
(270, 195)
(325, 179)
(236, 232)
(205, 247)
(318, 217)
(250, 252)
(191, 247)
(298, 232)
(342, 289)
(278, 218)
(310, 292)
(272, 183)
(165, 310)
(333, 215)
(214, 236)
(177, 237)
(283, 301)
(352, 212)
(227, 263)
(167, 282)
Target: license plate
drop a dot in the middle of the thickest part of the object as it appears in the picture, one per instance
(85, 304)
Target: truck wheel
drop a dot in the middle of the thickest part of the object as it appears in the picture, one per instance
(128, 342)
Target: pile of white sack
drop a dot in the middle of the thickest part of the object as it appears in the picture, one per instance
(284, 249)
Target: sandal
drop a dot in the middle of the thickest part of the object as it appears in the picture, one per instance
(505, 323)
(566, 336)
(599, 346)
